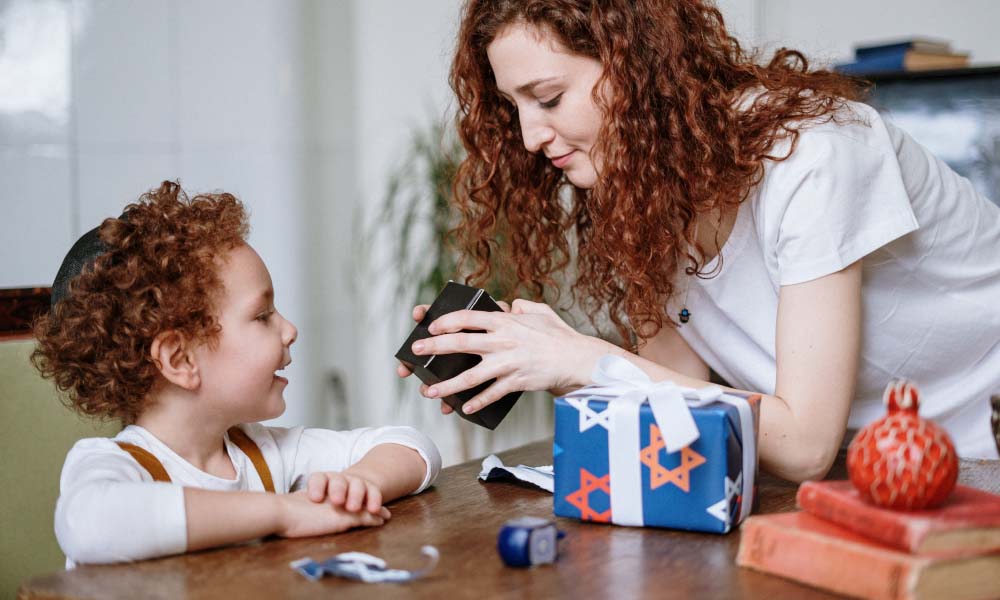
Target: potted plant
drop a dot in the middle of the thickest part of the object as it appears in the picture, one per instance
(409, 242)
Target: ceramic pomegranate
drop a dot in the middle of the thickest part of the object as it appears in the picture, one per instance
(902, 461)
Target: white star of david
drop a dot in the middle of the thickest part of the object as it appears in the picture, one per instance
(589, 418)
(720, 510)
(733, 488)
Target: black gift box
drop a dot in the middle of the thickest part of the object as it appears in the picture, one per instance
(436, 368)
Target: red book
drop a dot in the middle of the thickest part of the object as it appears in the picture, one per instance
(815, 552)
(967, 523)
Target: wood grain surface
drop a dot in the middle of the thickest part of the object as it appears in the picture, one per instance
(461, 517)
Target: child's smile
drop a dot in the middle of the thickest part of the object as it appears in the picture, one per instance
(239, 370)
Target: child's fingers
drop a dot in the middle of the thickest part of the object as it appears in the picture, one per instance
(445, 409)
(316, 487)
(403, 371)
(356, 494)
(374, 499)
(336, 490)
(384, 513)
(369, 520)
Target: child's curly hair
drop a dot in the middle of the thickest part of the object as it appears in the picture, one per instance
(159, 274)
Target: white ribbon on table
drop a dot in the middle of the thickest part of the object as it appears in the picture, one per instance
(626, 387)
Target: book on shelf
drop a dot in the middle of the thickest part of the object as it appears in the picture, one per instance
(917, 44)
(807, 549)
(909, 60)
(967, 523)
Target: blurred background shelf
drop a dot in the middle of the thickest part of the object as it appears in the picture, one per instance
(966, 73)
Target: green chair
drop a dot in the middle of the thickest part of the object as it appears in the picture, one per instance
(38, 431)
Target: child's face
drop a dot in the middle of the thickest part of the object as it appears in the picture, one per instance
(238, 371)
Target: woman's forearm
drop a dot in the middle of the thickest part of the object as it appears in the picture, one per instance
(580, 364)
(792, 446)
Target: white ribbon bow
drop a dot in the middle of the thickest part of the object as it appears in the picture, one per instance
(627, 387)
(626, 384)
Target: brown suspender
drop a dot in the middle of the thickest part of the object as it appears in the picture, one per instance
(146, 460)
(155, 468)
(249, 448)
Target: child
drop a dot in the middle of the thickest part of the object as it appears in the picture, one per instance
(165, 319)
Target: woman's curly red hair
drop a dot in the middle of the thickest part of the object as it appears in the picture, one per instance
(674, 144)
(159, 274)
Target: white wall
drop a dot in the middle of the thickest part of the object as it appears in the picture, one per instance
(740, 17)
(36, 166)
(401, 84)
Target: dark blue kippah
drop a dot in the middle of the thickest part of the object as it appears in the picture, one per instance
(83, 253)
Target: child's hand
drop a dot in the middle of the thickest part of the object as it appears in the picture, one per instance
(299, 516)
(346, 491)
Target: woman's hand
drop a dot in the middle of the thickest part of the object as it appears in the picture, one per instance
(527, 348)
(418, 315)
(404, 371)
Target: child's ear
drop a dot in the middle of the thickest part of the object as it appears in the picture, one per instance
(171, 353)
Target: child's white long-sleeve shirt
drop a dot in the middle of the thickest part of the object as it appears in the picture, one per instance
(111, 510)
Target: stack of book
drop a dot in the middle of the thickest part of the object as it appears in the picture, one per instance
(917, 54)
(841, 543)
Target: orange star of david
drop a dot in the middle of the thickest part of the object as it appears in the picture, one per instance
(658, 475)
(581, 497)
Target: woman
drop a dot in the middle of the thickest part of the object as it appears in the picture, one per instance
(754, 220)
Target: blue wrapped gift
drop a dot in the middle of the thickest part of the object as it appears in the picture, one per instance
(633, 452)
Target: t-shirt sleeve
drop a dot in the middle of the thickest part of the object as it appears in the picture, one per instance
(837, 198)
(307, 450)
(110, 509)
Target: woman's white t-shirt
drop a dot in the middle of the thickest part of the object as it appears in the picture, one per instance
(863, 189)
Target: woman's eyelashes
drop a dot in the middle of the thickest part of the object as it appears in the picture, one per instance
(554, 102)
(265, 316)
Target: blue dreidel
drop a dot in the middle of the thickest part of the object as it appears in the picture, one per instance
(528, 541)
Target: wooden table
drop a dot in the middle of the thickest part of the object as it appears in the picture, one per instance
(462, 516)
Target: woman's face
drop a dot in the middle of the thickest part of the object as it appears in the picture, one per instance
(552, 90)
